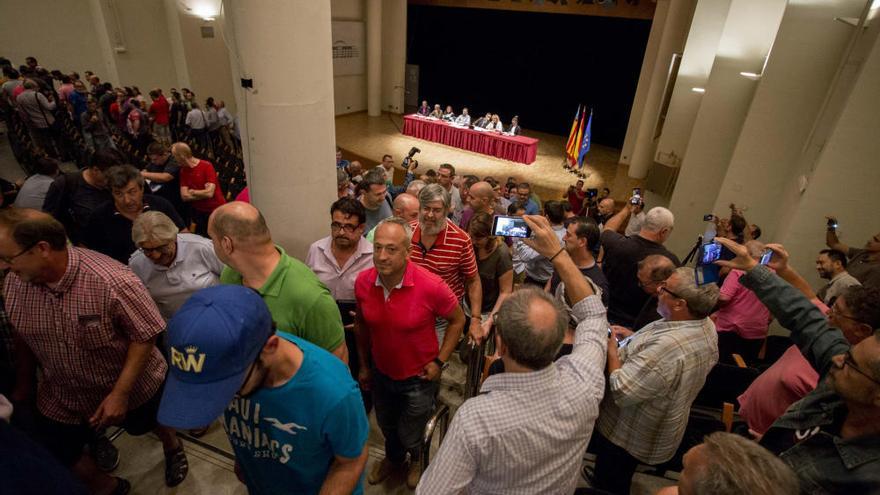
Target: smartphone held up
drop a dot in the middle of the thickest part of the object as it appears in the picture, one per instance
(510, 226)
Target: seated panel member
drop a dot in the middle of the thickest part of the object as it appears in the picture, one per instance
(514, 129)
(464, 119)
(424, 110)
(483, 121)
(495, 124)
(437, 113)
(449, 114)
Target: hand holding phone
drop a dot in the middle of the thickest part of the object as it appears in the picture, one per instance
(510, 226)
(832, 223)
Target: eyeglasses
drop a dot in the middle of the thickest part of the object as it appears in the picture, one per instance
(837, 312)
(849, 361)
(158, 249)
(336, 227)
(10, 259)
(673, 294)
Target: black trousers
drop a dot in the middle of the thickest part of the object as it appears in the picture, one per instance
(614, 465)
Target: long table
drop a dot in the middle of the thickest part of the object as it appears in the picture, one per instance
(520, 149)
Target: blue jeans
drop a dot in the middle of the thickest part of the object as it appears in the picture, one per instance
(403, 407)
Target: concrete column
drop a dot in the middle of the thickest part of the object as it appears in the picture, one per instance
(374, 58)
(178, 56)
(107, 53)
(748, 34)
(394, 54)
(648, 61)
(288, 131)
(675, 31)
(693, 72)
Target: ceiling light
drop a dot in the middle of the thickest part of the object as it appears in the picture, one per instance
(751, 75)
(698, 90)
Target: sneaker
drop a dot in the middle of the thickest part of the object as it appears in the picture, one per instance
(105, 453)
(381, 471)
(414, 474)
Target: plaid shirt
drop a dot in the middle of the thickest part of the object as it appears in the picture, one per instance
(80, 332)
(663, 367)
(526, 433)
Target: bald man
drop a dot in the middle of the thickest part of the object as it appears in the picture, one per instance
(481, 198)
(300, 304)
(653, 270)
(604, 211)
(405, 206)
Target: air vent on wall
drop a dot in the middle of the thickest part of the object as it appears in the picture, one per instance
(207, 31)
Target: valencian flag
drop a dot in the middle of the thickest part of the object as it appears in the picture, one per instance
(585, 143)
(572, 144)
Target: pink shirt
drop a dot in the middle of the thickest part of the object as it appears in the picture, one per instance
(401, 326)
(789, 379)
(744, 313)
(339, 279)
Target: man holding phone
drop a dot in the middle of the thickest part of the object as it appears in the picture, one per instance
(864, 263)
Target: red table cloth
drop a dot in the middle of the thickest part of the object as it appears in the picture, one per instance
(520, 149)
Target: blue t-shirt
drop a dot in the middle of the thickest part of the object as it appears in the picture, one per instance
(286, 438)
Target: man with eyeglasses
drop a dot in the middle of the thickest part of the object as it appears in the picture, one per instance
(653, 378)
(291, 411)
(831, 437)
(653, 270)
(856, 312)
(338, 259)
(90, 326)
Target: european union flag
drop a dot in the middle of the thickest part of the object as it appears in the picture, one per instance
(585, 144)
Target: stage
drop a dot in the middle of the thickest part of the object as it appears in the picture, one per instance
(368, 138)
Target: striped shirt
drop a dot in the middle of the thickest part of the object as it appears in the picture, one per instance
(451, 256)
(80, 331)
(648, 401)
(526, 433)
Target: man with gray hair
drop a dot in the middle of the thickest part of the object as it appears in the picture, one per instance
(109, 227)
(398, 302)
(728, 464)
(653, 270)
(653, 377)
(446, 250)
(622, 256)
(527, 430)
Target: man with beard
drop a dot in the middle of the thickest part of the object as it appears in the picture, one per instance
(339, 258)
(831, 265)
(831, 437)
(446, 250)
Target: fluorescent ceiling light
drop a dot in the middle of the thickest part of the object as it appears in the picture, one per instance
(751, 75)
(698, 90)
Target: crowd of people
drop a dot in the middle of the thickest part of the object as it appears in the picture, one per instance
(143, 299)
(489, 122)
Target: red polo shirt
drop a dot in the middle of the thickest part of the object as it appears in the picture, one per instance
(196, 178)
(402, 331)
(451, 257)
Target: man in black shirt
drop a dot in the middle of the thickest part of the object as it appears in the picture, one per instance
(163, 172)
(622, 256)
(581, 234)
(109, 228)
(72, 198)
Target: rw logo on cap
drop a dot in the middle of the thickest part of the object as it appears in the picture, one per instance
(191, 361)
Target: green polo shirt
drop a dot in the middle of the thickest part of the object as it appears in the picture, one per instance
(299, 302)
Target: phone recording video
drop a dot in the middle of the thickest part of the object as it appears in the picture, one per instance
(508, 226)
(766, 256)
(637, 191)
(710, 253)
(832, 223)
(708, 218)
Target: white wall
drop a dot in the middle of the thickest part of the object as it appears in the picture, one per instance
(349, 92)
(208, 62)
(59, 34)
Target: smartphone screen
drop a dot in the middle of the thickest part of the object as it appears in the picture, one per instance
(766, 256)
(708, 218)
(710, 253)
(637, 191)
(507, 226)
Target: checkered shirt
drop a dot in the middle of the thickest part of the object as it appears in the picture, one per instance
(526, 433)
(80, 331)
(663, 368)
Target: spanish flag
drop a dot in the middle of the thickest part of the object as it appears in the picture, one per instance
(573, 140)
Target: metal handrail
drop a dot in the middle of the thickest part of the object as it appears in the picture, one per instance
(440, 419)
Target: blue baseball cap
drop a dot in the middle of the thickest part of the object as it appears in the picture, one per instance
(212, 341)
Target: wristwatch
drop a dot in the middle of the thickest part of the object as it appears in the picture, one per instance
(441, 364)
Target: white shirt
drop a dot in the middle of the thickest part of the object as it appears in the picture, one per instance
(194, 267)
(494, 126)
(225, 117)
(339, 279)
(457, 207)
(196, 119)
(635, 224)
(463, 120)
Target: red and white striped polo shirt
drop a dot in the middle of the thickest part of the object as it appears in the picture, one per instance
(451, 257)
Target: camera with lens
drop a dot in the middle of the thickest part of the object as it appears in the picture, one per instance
(409, 157)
